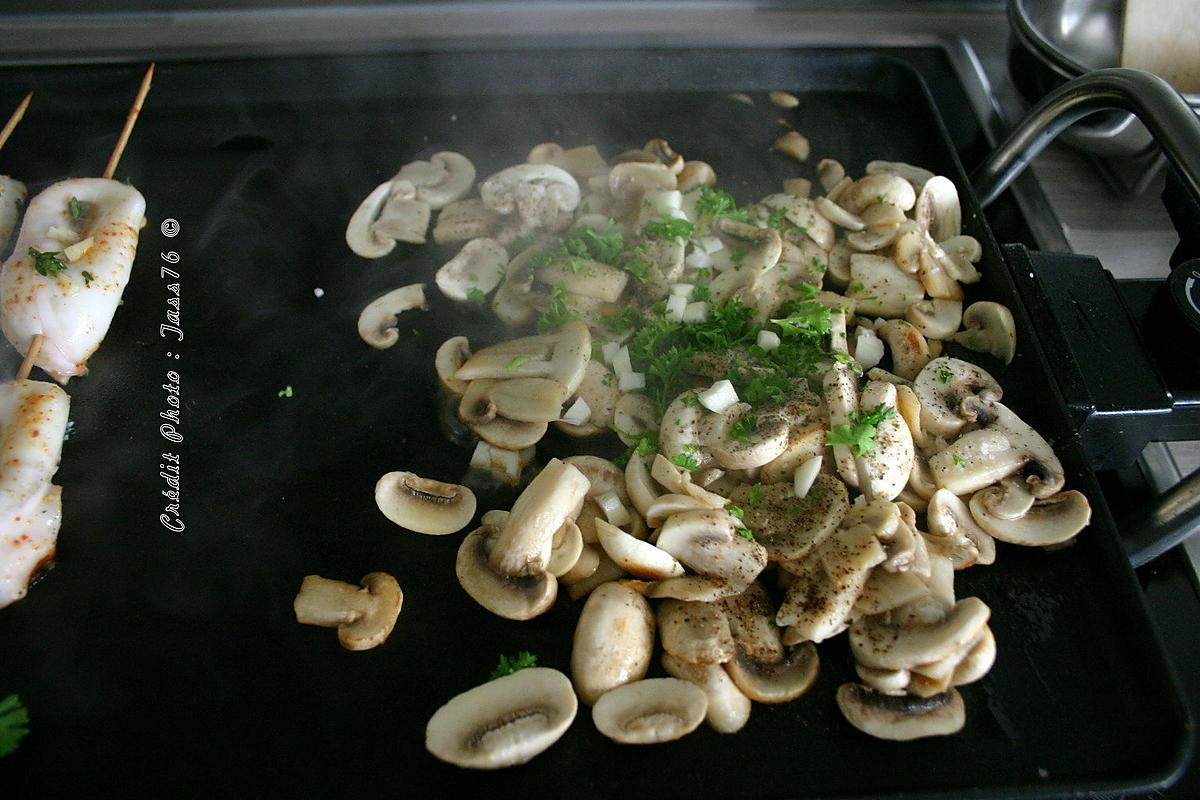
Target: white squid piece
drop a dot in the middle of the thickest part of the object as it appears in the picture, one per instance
(95, 245)
(33, 419)
(12, 197)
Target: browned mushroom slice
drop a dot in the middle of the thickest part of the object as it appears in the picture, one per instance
(762, 668)
(364, 616)
(882, 645)
(789, 527)
(901, 717)
(614, 640)
(516, 597)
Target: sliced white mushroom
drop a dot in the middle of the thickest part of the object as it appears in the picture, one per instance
(528, 399)
(880, 188)
(936, 319)
(583, 162)
(364, 615)
(793, 144)
(464, 220)
(762, 668)
(950, 519)
(614, 640)
(539, 193)
(450, 356)
(630, 180)
(1052, 521)
(504, 722)
(635, 556)
(728, 709)
(523, 545)
(989, 328)
(650, 711)
(479, 265)
(565, 549)
(709, 543)
(917, 176)
(378, 325)
(882, 645)
(697, 633)
(952, 393)
(839, 216)
(975, 460)
(789, 527)
(901, 717)
(403, 217)
(937, 209)
(880, 287)
(446, 177)
(517, 597)
(359, 236)
(424, 505)
(744, 449)
(910, 351)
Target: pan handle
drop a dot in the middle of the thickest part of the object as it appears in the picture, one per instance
(1155, 102)
(1162, 523)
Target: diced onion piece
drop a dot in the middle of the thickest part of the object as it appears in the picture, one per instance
(78, 250)
(696, 312)
(676, 305)
(805, 474)
(868, 348)
(609, 351)
(682, 289)
(614, 509)
(677, 213)
(718, 397)
(698, 259)
(631, 381)
(620, 363)
(665, 201)
(709, 244)
(579, 413)
(62, 235)
(506, 462)
(767, 340)
(482, 457)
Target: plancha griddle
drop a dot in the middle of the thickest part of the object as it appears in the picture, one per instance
(164, 662)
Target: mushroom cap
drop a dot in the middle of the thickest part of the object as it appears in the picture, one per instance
(424, 505)
(363, 616)
(883, 188)
(456, 179)
(374, 626)
(359, 236)
(614, 641)
(764, 444)
(882, 645)
(728, 709)
(504, 722)
(697, 633)
(910, 351)
(528, 399)
(935, 318)
(650, 711)
(775, 682)
(901, 718)
(377, 323)
(888, 467)
(450, 356)
(479, 265)
(789, 527)
(937, 208)
(989, 329)
(635, 556)
(464, 220)
(517, 597)
(708, 543)
(538, 192)
(1054, 520)
(952, 393)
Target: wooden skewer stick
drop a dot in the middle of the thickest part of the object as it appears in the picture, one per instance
(35, 347)
(130, 119)
(11, 125)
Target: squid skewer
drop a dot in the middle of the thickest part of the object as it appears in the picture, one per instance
(12, 191)
(63, 282)
(34, 414)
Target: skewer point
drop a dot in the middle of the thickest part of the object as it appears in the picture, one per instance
(35, 347)
(11, 125)
(130, 119)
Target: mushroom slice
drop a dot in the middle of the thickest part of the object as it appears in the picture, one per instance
(599, 390)
(403, 218)
(839, 216)
(359, 237)
(631, 179)
(584, 161)
(363, 616)
(692, 588)
(708, 542)
(917, 176)
(888, 466)
(778, 682)
(937, 209)
(585, 278)
(377, 324)
(789, 527)
(518, 597)
(936, 319)
(572, 351)
(678, 480)
(802, 212)
(479, 266)
(528, 399)
(910, 351)
(977, 662)
(989, 329)
(585, 566)
(1054, 520)
(640, 485)
(901, 718)
(880, 287)
(766, 439)
(539, 193)
(424, 505)
(450, 356)
(885, 591)
(804, 444)
(728, 709)
(882, 645)
(606, 572)
(818, 603)
(446, 177)
(464, 220)
(508, 434)
(1043, 471)
(751, 617)
(952, 393)
(695, 174)
(504, 722)
(635, 556)
(565, 549)
(614, 640)
(650, 711)
(793, 144)
(524, 543)
(633, 416)
(951, 520)
(881, 188)
(697, 633)
(668, 504)
(888, 681)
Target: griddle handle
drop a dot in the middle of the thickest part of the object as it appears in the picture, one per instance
(1162, 523)
(1155, 102)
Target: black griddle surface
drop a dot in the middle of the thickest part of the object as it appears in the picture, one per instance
(172, 662)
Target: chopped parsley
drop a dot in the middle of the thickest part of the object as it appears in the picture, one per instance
(88, 278)
(669, 228)
(756, 494)
(687, 459)
(570, 250)
(644, 444)
(859, 433)
(476, 296)
(622, 321)
(767, 389)
(959, 462)
(743, 428)
(714, 203)
(701, 294)
(775, 220)
(558, 312)
(858, 287)
(79, 209)
(746, 533)
(806, 318)
(517, 362)
(736, 511)
(48, 264)
(285, 391)
(14, 724)
(507, 666)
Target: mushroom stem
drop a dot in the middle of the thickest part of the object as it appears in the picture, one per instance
(524, 543)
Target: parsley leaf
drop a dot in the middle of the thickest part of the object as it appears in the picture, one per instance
(285, 391)
(88, 278)
(476, 296)
(687, 459)
(507, 666)
(959, 461)
(807, 318)
(14, 721)
(669, 228)
(859, 433)
(743, 428)
(48, 264)
(644, 444)
(79, 209)
(775, 220)
(558, 312)
(746, 533)
(756, 494)
(622, 321)
(736, 511)
(944, 375)
(517, 362)
(714, 203)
